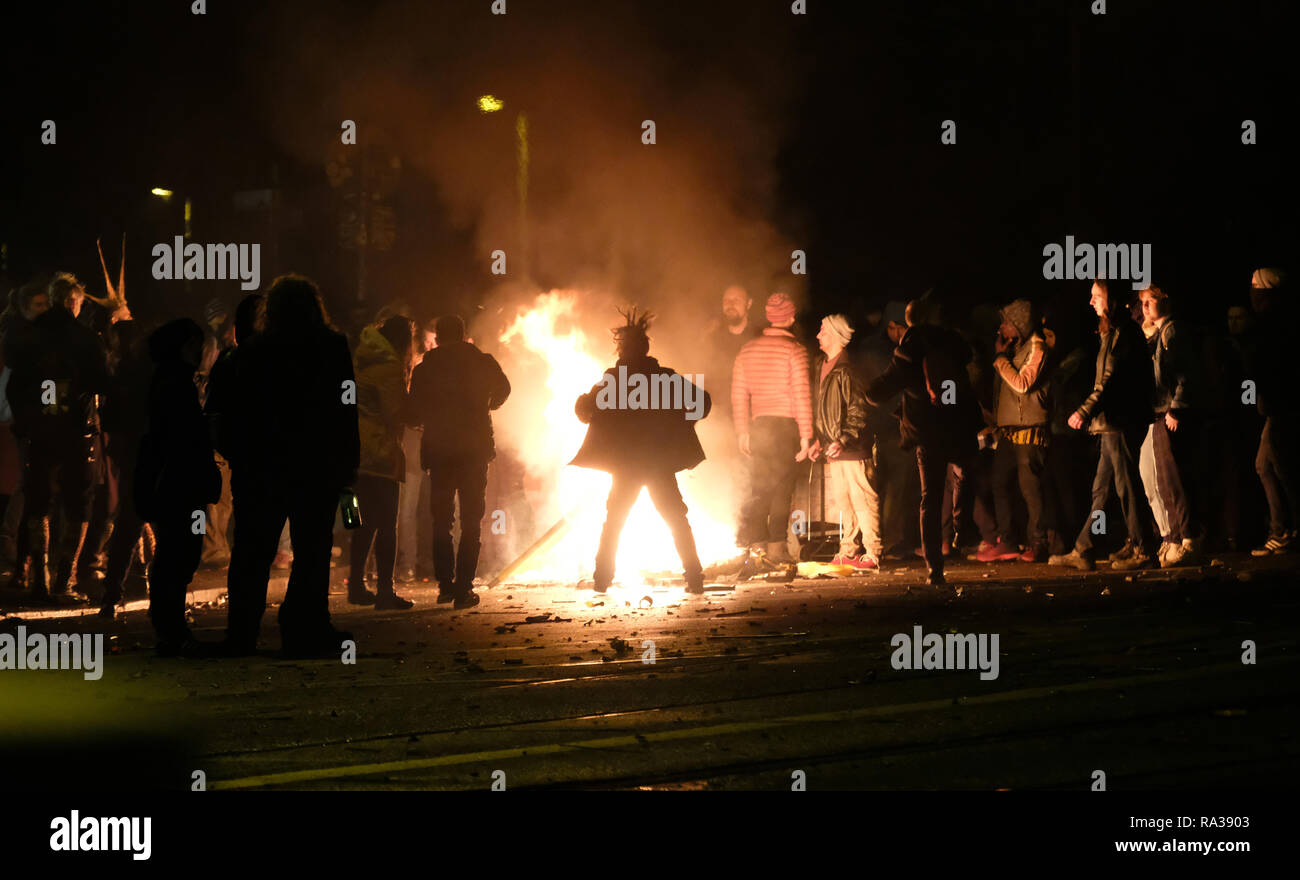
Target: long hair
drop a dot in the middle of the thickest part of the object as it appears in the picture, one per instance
(399, 330)
(1116, 310)
(294, 310)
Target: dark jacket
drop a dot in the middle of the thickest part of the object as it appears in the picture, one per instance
(1123, 387)
(1025, 375)
(1179, 368)
(622, 439)
(175, 473)
(453, 392)
(840, 407)
(220, 404)
(1271, 363)
(295, 415)
(926, 359)
(56, 347)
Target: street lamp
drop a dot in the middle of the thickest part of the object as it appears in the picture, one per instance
(491, 104)
(166, 196)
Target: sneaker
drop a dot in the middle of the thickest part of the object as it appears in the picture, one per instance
(1074, 559)
(999, 552)
(1275, 545)
(863, 563)
(985, 548)
(1160, 553)
(1192, 552)
(1122, 553)
(390, 601)
(1174, 554)
(1034, 553)
(1139, 559)
(446, 594)
(467, 599)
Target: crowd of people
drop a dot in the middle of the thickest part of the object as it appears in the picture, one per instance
(247, 440)
(131, 451)
(1005, 414)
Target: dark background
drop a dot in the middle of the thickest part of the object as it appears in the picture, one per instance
(1123, 127)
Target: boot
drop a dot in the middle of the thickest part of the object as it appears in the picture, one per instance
(779, 554)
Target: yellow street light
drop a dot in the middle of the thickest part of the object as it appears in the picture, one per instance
(490, 104)
(162, 193)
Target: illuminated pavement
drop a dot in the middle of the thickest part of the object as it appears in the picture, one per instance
(1138, 676)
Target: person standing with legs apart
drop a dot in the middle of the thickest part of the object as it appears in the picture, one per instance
(771, 402)
(453, 392)
(384, 358)
(1119, 409)
(642, 446)
(941, 418)
(176, 477)
(840, 420)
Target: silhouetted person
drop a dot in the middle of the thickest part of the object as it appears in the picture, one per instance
(1273, 369)
(294, 449)
(124, 417)
(940, 417)
(642, 445)
(453, 391)
(175, 479)
(59, 366)
(383, 360)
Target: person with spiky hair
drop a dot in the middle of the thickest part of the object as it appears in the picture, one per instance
(642, 445)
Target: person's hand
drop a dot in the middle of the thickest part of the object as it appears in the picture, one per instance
(1076, 421)
(815, 451)
(833, 451)
(804, 448)
(744, 445)
(1170, 422)
(1001, 344)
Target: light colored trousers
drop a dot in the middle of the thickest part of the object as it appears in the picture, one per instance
(1147, 470)
(857, 505)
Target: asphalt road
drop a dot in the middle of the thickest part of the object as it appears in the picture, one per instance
(756, 685)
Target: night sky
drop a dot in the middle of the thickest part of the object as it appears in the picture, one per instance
(1123, 127)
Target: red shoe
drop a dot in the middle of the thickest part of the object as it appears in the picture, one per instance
(998, 552)
(863, 563)
(1034, 553)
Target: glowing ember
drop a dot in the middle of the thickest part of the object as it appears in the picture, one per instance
(546, 347)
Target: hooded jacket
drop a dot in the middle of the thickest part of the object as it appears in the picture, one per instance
(941, 417)
(641, 440)
(453, 392)
(381, 401)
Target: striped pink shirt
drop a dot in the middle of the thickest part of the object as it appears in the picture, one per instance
(770, 378)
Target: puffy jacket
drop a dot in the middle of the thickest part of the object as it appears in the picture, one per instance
(1123, 385)
(641, 440)
(381, 402)
(770, 378)
(840, 407)
(453, 391)
(1023, 392)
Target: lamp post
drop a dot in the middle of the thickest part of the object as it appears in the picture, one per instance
(492, 104)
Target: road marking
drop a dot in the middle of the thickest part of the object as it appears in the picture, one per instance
(620, 742)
